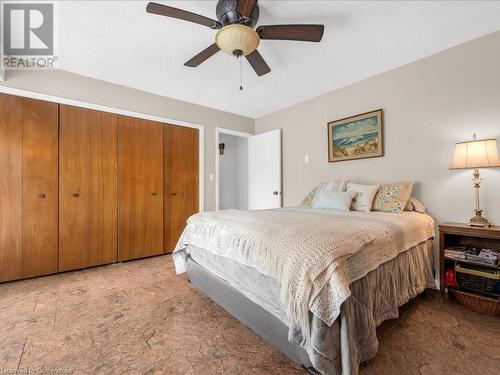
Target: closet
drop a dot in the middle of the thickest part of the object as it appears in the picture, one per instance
(87, 188)
(40, 222)
(81, 188)
(181, 182)
(28, 187)
(11, 181)
(140, 198)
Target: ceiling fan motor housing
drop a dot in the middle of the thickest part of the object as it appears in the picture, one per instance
(227, 13)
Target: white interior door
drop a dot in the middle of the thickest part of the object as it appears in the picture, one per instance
(264, 170)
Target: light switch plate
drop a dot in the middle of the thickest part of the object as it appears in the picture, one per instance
(211, 177)
(306, 158)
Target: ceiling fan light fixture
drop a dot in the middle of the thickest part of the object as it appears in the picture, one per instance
(237, 38)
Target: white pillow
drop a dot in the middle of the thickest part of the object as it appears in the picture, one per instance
(334, 200)
(330, 186)
(364, 196)
(333, 186)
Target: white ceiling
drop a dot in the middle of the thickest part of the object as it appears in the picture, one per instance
(117, 41)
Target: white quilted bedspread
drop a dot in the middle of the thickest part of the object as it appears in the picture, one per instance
(313, 254)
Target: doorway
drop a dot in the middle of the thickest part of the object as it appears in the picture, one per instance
(247, 170)
(231, 169)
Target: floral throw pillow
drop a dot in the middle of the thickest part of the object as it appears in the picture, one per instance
(308, 199)
(392, 197)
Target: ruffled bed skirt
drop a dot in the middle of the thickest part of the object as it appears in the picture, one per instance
(352, 339)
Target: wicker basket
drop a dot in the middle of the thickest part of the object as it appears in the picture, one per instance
(482, 304)
(477, 278)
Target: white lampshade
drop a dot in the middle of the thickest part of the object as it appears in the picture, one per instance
(237, 37)
(476, 154)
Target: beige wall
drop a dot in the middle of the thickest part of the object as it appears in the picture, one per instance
(428, 106)
(76, 87)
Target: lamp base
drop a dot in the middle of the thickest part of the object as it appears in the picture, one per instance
(479, 220)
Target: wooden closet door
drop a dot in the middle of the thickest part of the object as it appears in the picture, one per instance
(88, 188)
(40, 180)
(140, 197)
(11, 141)
(181, 162)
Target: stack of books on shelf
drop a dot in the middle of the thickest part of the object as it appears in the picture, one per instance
(455, 252)
(488, 257)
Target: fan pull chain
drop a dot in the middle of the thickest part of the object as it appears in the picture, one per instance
(241, 73)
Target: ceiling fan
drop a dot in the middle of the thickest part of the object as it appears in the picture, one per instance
(236, 36)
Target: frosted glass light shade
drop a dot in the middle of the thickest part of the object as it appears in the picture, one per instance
(237, 37)
(476, 154)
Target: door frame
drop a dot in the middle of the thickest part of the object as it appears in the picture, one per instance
(118, 111)
(219, 131)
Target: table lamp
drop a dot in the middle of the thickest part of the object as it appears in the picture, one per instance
(476, 154)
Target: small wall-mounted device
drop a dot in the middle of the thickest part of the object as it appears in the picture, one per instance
(221, 148)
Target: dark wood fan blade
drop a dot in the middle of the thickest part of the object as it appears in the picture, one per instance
(203, 56)
(305, 33)
(245, 7)
(164, 10)
(258, 64)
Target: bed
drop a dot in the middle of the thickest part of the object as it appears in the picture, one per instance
(315, 283)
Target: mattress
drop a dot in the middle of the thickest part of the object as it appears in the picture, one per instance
(257, 287)
(261, 289)
(314, 254)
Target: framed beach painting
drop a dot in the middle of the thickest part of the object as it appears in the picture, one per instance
(356, 137)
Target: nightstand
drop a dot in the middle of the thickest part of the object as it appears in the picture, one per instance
(457, 235)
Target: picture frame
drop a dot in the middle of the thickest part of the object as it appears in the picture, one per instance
(356, 137)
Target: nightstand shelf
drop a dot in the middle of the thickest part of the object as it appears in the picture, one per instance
(466, 261)
(453, 235)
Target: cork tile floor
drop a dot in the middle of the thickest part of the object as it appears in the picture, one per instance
(140, 318)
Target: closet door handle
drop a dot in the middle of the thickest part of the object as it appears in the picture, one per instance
(153, 194)
(41, 195)
(76, 195)
(174, 194)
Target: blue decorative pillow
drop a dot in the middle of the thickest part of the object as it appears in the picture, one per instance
(334, 200)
